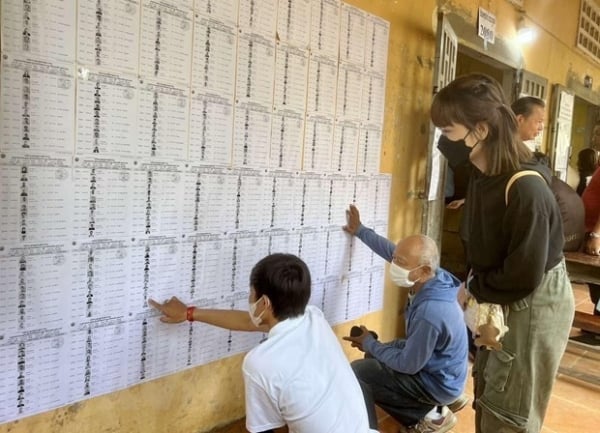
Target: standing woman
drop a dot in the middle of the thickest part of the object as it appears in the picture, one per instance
(515, 250)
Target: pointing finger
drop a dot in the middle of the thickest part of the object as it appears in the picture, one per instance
(155, 304)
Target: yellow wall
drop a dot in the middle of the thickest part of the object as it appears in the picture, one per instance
(199, 399)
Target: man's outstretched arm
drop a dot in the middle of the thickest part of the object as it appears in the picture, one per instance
(380, 245)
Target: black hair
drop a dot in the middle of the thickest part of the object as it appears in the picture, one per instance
(587, 163)
(524, 106)
(285, 280)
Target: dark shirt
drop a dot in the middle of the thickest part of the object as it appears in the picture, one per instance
(510, 247)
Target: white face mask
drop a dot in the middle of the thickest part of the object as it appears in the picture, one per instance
(399, 275)
(256, 320)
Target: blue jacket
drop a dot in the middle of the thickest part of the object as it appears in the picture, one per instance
(435, 347)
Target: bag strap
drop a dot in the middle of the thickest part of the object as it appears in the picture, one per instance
(516, 176)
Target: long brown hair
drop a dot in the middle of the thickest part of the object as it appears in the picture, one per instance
(478, 98)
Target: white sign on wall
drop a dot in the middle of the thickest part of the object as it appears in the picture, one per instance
(486, 26)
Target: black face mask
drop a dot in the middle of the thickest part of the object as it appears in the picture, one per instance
(456, 152)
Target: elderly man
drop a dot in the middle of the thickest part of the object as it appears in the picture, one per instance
(409, 377)
(530, 112)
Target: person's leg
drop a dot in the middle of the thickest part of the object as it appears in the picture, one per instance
(370, 403)
(514, 384)
(400, 395)
(595, 297)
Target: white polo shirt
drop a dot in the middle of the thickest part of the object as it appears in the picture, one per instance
(300, 376)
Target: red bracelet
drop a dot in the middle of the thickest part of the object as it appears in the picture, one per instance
(189, 314)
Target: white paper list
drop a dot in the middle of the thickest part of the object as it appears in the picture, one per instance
(214, 270)
(337, 262)
(106, 114)
(287, 136)
(166, 43)
(345, 147)
(162, 147)
(100, 271)
(156, 197)
(97, 358)
(342, 193)
(102, 201)
(361, 194)
(356, 295)
(248, 249)
(316, 190)
(108, 34)
(252, 136)
(369, 150)
(34, 288)
(37, 106)
(291, 71)
(383, 184)
(163, 118)
(377, 39)
(349, 92)
(293, 20)
(361, 256)
(352, 35)
(33, 367)
(284, 242)
(373, 99)
(221, 10)
(214, 343)
(154, 350)
(313, 246)
(211, 201)
(335, 299)
(255, 195)
(259, 17)
(322, 84)
(255, 69)
(40, 28)
(215, 54)
(286, 208)
(318, 137)
(374, 288)
(36, 199)
(211, 129)
(154, 271)
(206, 269)
(325, 27)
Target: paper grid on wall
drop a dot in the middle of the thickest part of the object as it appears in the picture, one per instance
(159, 148)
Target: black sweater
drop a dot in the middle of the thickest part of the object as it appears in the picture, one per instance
(510, 247)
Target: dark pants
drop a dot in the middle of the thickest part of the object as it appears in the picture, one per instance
(400, 395)
(595, 297)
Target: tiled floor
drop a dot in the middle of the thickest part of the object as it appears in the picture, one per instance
(573, 405)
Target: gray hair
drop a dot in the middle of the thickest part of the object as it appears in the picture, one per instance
(430, 255)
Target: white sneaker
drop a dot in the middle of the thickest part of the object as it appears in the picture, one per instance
(441, 425)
